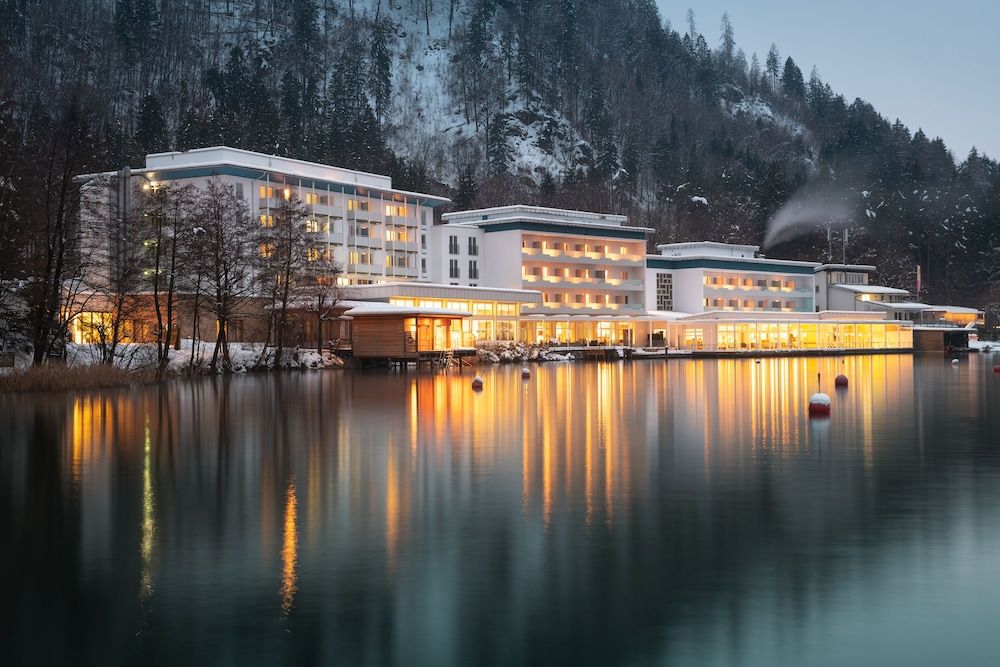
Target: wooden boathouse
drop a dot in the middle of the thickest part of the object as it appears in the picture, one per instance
(386, 334)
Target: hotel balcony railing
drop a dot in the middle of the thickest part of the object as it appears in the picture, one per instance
(797, 291)
(577, 256)
(607, 283)
(394, 244)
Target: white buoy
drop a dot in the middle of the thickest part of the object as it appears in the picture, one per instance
(477, 383)
(819, 404)
(525, 373)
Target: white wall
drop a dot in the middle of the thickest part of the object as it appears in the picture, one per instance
(689, 290)
(501, 265)
(438, 256)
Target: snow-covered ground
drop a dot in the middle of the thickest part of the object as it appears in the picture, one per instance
(243, 357)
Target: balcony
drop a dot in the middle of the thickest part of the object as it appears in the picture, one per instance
(578, 257)
(532, 282)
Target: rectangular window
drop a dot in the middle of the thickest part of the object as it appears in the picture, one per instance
(396, 211)
(473, 270)
(452, 245)
(266, 220)
(598, 249)
(624, 275)
(423, 265)
(266, 192)
(473, 246)
(423, 241)
(578, 247)
(423, 217)
(506, 310)
(557, 297)
(536, 244)
(581, 298)
(266, 249)
(357, 205)
(317, 226)
(453, 268)
(599, 274)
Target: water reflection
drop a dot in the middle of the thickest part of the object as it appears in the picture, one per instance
(599, 513)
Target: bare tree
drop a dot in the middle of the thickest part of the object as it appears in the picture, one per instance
(284, 252)
(166, 215)
(51, 206)
(229, 246)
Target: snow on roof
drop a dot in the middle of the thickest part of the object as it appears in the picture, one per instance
(664, 315)
(376, 309)
(956, 309)
(858, 268)
(901, 305)
(871, 289)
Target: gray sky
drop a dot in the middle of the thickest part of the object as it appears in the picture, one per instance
(933, 65)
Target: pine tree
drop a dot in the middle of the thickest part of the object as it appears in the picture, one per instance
(151, 133)
(727, 43)
(468, 189)
(498, 152)
(380, 81)
(772, 64)
(791, 80)
(754, 74)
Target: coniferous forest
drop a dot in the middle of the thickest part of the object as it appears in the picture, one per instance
(586, 104)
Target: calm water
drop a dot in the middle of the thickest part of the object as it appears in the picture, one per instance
(682, 512)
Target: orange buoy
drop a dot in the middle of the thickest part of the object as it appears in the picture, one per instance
(819, 405)
(477, 383)
(840, 381)
(996, 369)
(525, 373)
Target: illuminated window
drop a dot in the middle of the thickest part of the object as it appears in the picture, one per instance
(266, 249)
(266, 192)
(395, 210)
(266, 220)
(357, 205)
(506, 310)
(483, 308)
(317, 226)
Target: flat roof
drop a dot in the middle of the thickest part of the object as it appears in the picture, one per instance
(522, 211)
(224, 160)
(901, 305)
(416, 289)
(956, 309)
(871, 289)
(729, 263)
(531, 223)
(867, 268)
(387, 309)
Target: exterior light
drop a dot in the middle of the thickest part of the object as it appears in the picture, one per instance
(288, 193)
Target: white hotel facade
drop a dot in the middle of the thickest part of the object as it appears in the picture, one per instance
(534, 274)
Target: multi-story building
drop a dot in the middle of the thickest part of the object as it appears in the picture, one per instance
(371, 230)
(588, 267)
(705, 276)
(539, 274)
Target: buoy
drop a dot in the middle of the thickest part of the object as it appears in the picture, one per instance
(525, 373)
(819, 404)
(757, 361)
(477, 383)
(840, 380)
(954, 362)
(996, 369)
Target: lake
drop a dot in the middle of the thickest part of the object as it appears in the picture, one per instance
(683, 512)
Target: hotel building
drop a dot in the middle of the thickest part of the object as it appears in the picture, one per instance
(544, 275)
(374, 232)
(587, 268)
